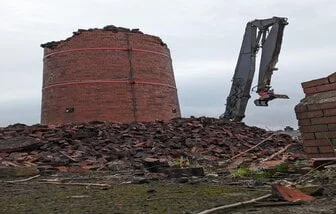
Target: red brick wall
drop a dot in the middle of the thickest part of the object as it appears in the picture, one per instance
(108, 76)
(317, 117)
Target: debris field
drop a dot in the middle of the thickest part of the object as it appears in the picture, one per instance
(114, 146)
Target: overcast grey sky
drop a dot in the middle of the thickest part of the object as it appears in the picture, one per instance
(204, 37)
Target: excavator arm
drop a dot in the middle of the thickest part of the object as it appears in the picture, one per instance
(265, 34)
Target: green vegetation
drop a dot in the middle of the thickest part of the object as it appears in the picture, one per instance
(283, 168)
(255, 173)
(125, 198)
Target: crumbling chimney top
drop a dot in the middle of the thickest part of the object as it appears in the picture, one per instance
(54, 44)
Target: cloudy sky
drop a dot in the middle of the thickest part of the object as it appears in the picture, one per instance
(204, 37)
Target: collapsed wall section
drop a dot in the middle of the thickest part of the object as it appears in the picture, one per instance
(317, 117)
(110, 74)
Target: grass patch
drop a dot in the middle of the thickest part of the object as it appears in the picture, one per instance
(126, 198)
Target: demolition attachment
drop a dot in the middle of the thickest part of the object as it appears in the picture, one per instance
(265, 34)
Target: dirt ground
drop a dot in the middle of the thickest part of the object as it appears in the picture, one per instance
(128, 193)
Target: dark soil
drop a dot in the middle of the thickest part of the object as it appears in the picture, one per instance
(154, 195)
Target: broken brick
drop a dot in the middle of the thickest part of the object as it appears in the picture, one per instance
(290, 194)
(152, 145)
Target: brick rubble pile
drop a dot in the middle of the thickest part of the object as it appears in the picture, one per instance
(104, 145)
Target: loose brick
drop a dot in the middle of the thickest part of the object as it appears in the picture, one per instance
(311, 149)
(320, 106)
(325, 135)
(317, 142)
(323, 120)
(308, 136)
(314, 128)
(316, 82)
(310, 114)
(332, 78)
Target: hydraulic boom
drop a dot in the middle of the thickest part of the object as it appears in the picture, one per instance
(265, 34)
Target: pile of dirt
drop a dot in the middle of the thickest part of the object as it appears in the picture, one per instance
(106, 145)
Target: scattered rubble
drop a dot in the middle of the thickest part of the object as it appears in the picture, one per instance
(184, 153)
(17, 144)
(179, 143)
